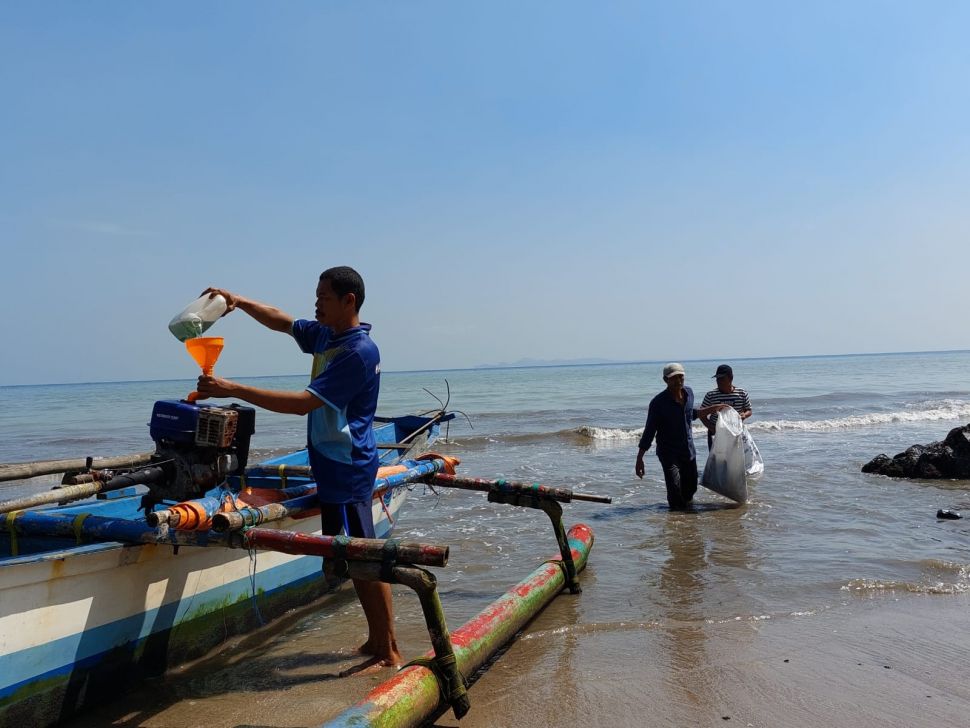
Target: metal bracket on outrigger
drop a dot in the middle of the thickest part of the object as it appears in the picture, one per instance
(393, 562)
(528, 495)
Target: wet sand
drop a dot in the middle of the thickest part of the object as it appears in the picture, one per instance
(883, 661)
(891, 663)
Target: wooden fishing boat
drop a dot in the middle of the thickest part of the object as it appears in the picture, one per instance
(82, 615)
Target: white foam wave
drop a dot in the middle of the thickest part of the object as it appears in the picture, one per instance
(927, 412)
(609, 433)
(863, 586)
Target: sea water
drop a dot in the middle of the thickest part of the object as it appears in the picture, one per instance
(816, 535)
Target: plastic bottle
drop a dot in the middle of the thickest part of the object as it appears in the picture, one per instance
(197, 317)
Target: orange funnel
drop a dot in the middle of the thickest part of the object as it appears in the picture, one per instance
(205, 350)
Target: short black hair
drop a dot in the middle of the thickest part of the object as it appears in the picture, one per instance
(343, 280)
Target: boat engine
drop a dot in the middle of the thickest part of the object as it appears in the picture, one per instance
(196, 447)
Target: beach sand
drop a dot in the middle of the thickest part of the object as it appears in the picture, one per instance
(892, 663)
(883, 661)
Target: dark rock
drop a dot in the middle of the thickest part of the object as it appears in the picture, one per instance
(885, 465)
(949, 458)
(958, 440)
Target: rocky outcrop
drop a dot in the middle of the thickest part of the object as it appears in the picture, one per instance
(947, 459)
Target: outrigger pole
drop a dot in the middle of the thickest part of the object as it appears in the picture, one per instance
(529, 495)
(83, 490)
(86, 528)
(509, 492)
(197, 514)
(414, 695)
(347, 548)
(21, 471)
(292, 506)
(255, 515)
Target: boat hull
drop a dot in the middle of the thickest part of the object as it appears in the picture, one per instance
(78, 623)
(77, 627)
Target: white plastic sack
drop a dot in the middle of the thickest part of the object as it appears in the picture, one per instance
(754, 465)
(724, 472)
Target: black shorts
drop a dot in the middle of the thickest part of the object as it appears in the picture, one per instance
(351, 519)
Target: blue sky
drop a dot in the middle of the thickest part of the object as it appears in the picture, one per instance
(632, 181)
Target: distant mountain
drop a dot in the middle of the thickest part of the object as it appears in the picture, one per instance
(546, 363)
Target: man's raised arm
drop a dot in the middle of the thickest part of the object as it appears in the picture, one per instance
(269, 316)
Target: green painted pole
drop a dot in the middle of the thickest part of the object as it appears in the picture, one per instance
(413, 697)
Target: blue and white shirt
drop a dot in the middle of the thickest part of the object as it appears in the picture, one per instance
(737, 398)
(346, 375)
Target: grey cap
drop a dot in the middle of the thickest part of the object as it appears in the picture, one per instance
(673, 369)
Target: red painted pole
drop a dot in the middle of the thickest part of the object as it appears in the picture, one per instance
(412, 697)
(350, 549)
(563, 495)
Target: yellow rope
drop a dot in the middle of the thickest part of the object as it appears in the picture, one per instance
(14, 546)
(78, 520)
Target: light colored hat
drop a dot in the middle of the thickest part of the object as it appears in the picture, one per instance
(674, 369)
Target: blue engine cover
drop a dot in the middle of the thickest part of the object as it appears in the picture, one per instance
(174, 420)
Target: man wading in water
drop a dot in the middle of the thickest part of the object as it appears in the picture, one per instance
(340, 400)
(668, 419)
(726, 393)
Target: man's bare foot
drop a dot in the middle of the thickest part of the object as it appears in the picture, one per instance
(369, 667)
(388, 655)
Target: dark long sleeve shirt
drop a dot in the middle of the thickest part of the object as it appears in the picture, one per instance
(669, 421)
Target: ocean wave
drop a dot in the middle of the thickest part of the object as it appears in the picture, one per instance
(926, 411)
(944, 577)
(520, 438)
(608, 433)
(875, 586)
(922, 412)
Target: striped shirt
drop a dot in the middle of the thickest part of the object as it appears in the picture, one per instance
(737, 399)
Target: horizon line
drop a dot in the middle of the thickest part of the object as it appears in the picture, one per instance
(492, 367)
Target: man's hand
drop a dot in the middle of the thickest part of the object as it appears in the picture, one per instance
(704, 412)
(214, 387)
(640, 469)
(232, 300)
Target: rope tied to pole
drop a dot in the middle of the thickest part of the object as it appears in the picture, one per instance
(388, 560)
(78, 521)
(252, 585)
(12, 528)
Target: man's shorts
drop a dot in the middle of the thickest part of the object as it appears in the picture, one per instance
(351, 519)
